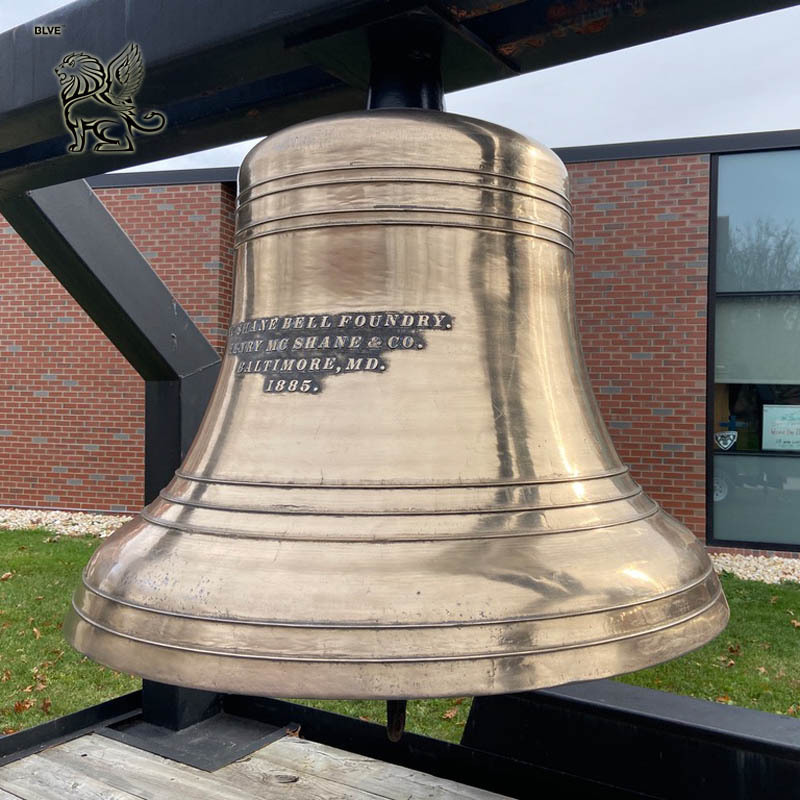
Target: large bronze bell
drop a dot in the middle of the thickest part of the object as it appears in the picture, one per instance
(402, 487)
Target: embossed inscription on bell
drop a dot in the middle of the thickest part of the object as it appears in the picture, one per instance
(296, 353)
(456, 523)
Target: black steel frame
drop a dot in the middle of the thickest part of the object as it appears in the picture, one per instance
(292, 60)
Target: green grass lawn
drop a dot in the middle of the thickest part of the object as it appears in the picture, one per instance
(752, 663)
(41, 676)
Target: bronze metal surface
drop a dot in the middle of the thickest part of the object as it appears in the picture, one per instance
(402, 486)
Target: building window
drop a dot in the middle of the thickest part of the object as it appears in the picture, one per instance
(756, 400)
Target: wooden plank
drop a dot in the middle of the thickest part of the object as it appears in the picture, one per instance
(36, 778)
(97, 768)
(358, 772)
(262, 779)
(157, 778)
(144, 774)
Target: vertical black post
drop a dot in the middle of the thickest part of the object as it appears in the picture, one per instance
(173, 412)
(162, 423)
(176, 707)
(83, 246)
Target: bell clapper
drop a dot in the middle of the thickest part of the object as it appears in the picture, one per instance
(395, 719)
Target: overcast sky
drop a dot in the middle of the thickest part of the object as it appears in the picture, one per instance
(733, 78)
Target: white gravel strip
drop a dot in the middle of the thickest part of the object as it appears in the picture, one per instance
(768, 569)
(61, 523)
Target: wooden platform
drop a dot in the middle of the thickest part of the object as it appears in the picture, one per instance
(94, 767)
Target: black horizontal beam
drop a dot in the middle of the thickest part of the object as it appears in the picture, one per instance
(697, 145)
(167, 177)
(642, 741)
(221, 77)
(218, 77)
(236, 114)
(80, 242)
(534, 35)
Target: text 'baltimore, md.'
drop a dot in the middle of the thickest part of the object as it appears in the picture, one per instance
(295, 353)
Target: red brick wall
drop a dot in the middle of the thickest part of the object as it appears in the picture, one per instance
(72, 422)
(71, 434)
(641, 267)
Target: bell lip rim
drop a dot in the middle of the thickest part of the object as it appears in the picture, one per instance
(706, 575)
(681, 620)
(720, 610)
